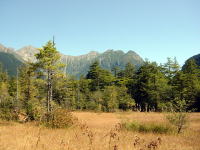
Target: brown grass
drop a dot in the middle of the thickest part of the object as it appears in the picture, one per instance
(99, 131)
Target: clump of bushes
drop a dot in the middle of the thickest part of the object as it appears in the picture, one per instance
(179, 120)
(8, 115)
(59, 118)
(7, 110)
(147, 127)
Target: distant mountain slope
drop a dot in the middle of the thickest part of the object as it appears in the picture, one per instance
(112, 58)
(10, 60)
(77, 65)
(10, 63)
(196, 58)
(10, 51)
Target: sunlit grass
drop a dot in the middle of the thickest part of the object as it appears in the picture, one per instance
(99, 131)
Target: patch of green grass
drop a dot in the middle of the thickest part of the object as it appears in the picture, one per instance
(148, 127)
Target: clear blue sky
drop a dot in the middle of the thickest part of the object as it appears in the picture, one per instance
(155, 29)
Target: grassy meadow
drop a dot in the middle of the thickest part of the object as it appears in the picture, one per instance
(100, 131)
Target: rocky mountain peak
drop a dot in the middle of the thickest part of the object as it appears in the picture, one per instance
(28, 53)
(6, 49)
(79, 65)
(93, 53)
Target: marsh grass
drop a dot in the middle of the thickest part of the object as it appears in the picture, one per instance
(148, 127)
(99, 132)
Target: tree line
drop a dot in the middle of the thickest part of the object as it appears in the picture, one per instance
(42, 87)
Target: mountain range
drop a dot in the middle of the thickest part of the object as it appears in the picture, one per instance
(75, 65)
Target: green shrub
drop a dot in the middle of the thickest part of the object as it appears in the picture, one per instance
(147, 127)
(59, 118)
(178, 119)
(7, 110)
(91, 105)
(7, 114)
(34, 110)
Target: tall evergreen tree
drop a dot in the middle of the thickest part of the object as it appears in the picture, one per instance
(191, 67)
(186, 84)
(110, 99)
(125, 100)
(99, 77)
(48, 61)
(150, 87)
(28, 91)
(129, 70)
(115, 70)
(171, 68)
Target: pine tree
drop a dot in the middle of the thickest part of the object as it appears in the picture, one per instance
(48, 62)
(191, 67)
(7, 105)
(171, 68)
(94, 75)
(99, 77)
(125, 100)
(110, 102)
(186, 84)
(129, 70)
(12, 89)
(150, 87)
(3, 85)
(28, 91)
(115, 70)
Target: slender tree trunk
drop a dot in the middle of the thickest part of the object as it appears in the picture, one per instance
(51, 93)
(48, 92)
(17, 96)
(28, 96)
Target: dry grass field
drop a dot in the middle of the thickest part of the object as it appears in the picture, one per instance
(99, 131)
